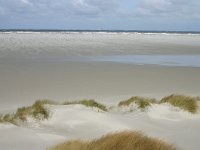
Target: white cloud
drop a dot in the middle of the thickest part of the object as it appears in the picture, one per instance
(25, 1)
(93, 7)
(1, 11)
(96, 8)
(67, 7)
(97, 13)
(170, 8)
(155, 5)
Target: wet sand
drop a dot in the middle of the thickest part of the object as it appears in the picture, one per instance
(30, 68)
(92, 44)
(24, 82)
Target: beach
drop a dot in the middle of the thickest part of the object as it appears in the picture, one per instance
(22, 84)
(47, 44)
(55, 66)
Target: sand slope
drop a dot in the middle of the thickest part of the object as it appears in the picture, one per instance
(77, 121)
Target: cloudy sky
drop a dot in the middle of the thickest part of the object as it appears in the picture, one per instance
(101, 14)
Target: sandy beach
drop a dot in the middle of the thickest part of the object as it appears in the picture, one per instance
(23, 83)
(46, 44)
(30, 70)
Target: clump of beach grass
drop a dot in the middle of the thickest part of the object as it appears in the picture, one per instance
(7, 118)
(40, 112)
(37, 111)
(126, 140)
(140, 101)
(88, 103)
(1, 118)
(184, 102)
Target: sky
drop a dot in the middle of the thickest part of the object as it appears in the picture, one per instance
(170, 15)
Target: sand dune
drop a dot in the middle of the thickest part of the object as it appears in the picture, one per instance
(77, 121)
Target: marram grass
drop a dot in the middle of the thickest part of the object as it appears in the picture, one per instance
(40, 112)
(126, 140)
(88, 103)
(37, 111)
(140, 101)
(184, 102)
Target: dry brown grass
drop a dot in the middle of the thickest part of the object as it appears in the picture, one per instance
(184, 102)
(71, 145)
(126, 140)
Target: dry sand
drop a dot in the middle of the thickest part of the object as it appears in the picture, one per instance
(75, 121)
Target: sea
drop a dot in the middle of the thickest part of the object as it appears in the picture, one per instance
(118, 46)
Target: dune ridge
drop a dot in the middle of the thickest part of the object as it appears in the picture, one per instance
(38, 110)
(87, 120)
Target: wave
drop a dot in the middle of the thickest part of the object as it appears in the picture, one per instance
(102, 32)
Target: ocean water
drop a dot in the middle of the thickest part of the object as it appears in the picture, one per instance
(138, 47)
(163, 48)
(162, 60)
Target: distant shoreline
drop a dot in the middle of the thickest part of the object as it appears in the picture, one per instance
(106, 31)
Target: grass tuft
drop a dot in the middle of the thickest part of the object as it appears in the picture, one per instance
(88, 103)
(93, 103)
(71, 145)
(1, 118)
(37, 110)
(140, 101)
(126, 140)
(184, 102)
(7, 118)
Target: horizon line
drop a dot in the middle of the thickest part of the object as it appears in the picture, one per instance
(101, 30)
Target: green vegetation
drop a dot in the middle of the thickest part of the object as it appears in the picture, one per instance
(184, 102)
(7, 118)
(37, 111)
(140, 101)
(1, 118)
(88, 103)
(117, 141)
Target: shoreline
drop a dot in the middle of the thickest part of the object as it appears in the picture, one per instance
(58, 44)
(96, 31)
